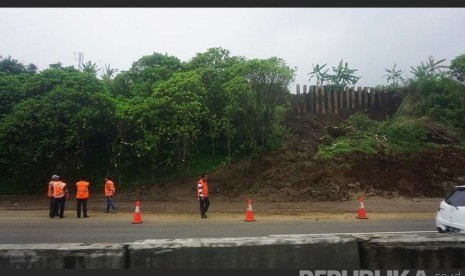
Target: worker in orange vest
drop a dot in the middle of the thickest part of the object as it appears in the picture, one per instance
(82, 195)
(60, 194)
(202, 195)
(110, 191)
(52, 212)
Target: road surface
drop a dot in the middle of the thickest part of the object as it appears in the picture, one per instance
(34, 226)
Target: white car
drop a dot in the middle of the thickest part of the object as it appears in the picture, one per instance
(451, 212)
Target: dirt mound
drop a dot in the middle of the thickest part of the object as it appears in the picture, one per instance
(291, 174)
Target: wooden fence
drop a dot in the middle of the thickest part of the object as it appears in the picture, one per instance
(322, 100)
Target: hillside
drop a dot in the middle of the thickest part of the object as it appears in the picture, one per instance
(291, 174)
(290, 177)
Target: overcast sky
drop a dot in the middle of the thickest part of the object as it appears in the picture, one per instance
(369, 39)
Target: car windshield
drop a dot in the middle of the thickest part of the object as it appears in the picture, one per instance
(457, 198)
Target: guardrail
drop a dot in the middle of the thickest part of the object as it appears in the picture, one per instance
(312, 251)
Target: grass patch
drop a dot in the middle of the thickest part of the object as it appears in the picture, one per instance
(397, 135)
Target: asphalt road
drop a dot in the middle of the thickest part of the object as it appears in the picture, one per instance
(34, 226)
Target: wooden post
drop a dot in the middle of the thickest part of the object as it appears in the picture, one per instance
(305, 100)
(365, 92)
(360, 105)
(372, 99)
(328, 101)
(341, 101)
(346, 94)
(311, 98)
(380, 98)
(352, 97)
(323, 102)
(297, 101)
(317, 100)
(336, 102)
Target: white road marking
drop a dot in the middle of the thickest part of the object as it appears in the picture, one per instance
(47, 218)
(401, 232)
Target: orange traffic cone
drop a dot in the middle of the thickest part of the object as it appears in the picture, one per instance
(249, 214)
(137, 216)
(361, 209)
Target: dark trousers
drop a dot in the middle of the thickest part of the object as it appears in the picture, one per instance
(204, 204)
(81, 202)
(110, 204)
(52, 212)
(59, 206)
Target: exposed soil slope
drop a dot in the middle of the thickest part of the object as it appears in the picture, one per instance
(291, 174)
(289, 180)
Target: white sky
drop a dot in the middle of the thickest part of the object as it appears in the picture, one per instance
(369, 39)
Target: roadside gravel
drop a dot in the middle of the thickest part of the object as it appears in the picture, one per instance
(375, 207)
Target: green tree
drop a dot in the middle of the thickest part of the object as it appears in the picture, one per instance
(181, 99)
(60, 77)
(149, 70)
(60, 66)
(108, 72)
(429, 69)
(160, 131)
(343, 75)
(11, 91)
(212, 66)
(31, 68)
(260, 86)
(394, 76)
(125, 150)
(434, 67)
(89, 67)
(457, 68)
(121, 86)
(320, 75)
(13, 66)
(144, 74)
(55, 130)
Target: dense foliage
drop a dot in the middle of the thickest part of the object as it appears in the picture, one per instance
(167, 118)
(432, 114)
(162, 117)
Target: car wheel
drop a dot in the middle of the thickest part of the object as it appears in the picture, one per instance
(440, 230)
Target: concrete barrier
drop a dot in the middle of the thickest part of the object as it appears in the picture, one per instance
(246, 253)
(332, 251)
(62, 256)
(406, 251)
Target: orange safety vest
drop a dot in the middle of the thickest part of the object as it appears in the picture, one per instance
(109, 188)
(82, 189)
(202, 188)
(59, 189)
(50, 188)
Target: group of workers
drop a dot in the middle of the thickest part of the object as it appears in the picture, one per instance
(58, 193)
